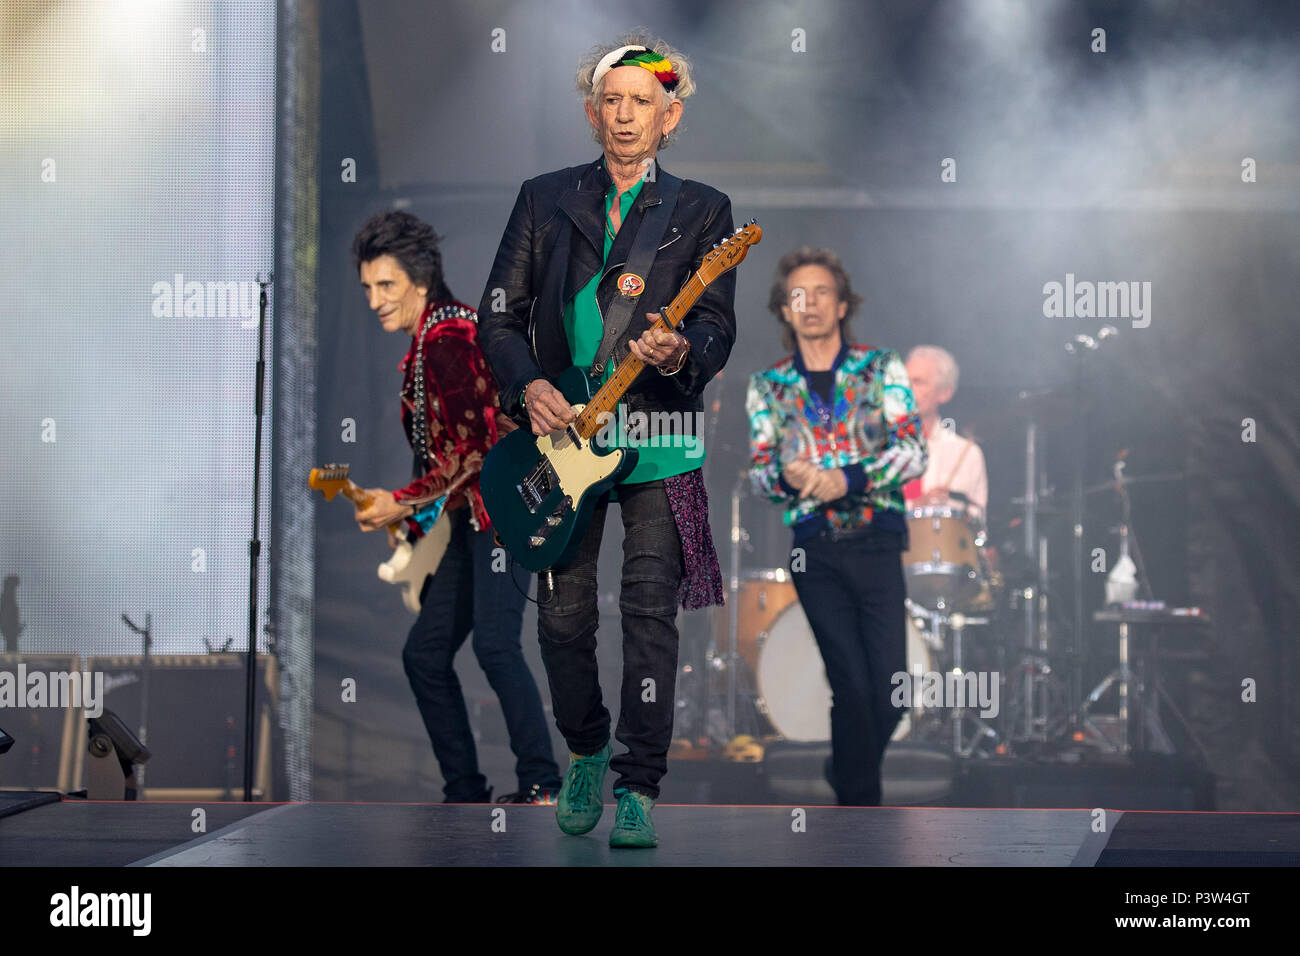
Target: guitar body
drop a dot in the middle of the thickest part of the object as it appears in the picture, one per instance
(411, 564)
(540, 491)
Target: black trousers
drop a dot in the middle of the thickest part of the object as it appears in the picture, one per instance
(567, 621)
(469, 594)
(852, 590)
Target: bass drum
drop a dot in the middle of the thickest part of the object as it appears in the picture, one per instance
(764, 594)
(793, 691)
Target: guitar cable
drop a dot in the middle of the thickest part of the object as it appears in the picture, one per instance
(550, 580)
(541, 575)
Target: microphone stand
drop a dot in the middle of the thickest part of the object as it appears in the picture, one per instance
(705, 693)
(1079, 346)
(1127, 533)
(146, 634)
(255, 544)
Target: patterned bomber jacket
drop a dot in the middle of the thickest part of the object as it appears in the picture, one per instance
(871, 430)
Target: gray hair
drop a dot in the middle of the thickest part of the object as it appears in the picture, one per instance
(944, 363)
(638, 37)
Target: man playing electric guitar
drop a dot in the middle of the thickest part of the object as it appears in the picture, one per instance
(452, 417)
(564, 269)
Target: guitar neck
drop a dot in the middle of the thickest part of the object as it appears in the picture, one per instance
(611, 393)
(354, 493)
(332, 480)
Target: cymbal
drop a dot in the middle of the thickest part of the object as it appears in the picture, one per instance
(1139, 480)
(1054, 500)
(1044, 404)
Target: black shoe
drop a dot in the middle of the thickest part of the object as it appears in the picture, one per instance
(484, 797)
(534, 794)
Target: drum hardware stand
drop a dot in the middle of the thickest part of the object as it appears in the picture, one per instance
(1147, 732)
(1034, 692)
(738, 536)
(1035, 552)
(712, 662)
(956, 623)
(1122, 675)
(729, 663)
(931, 633)
(1148, 696)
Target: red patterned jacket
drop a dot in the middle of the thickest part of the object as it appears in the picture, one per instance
(462, 410)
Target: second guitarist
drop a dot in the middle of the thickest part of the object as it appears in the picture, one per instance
(561, 267)
(451, 416)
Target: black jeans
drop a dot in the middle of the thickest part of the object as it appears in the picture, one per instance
(567, 620)
(852, 591)
(467, 594)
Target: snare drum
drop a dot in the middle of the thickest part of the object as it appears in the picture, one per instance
(942, 562)
(794, 693)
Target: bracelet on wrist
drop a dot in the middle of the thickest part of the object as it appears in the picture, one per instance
(681, 362)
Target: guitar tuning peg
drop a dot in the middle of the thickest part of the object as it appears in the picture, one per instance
(715, 245)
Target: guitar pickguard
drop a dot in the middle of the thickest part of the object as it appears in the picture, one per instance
(568, 466)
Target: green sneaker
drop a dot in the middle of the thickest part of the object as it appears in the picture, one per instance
(578, 807)
(632, 824)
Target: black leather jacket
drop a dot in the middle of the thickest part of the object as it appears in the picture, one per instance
(521, 325)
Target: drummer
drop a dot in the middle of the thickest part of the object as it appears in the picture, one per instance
(956, 463)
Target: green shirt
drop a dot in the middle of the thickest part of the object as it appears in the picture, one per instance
(659, 454)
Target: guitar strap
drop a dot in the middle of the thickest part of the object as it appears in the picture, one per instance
(645, 247)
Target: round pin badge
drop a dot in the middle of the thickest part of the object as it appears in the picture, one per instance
(631, 284)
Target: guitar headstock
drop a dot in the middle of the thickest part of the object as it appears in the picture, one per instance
(731, 251)
(329, 480)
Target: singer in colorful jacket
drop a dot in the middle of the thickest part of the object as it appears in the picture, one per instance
(869, 429)
(834, 435)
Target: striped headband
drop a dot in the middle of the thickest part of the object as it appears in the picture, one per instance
(628, 56)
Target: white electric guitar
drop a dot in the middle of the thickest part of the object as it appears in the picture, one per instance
(410, 562)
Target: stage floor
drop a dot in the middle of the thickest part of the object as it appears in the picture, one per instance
(82, 833)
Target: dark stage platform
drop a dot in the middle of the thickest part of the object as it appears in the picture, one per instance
(81, 833)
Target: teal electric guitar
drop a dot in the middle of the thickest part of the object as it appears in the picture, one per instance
(540, 491)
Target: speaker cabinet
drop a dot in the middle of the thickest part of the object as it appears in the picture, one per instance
(189, 711)
(43, 722)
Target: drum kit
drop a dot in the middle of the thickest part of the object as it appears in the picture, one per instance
(763, 676)
(770, 670)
